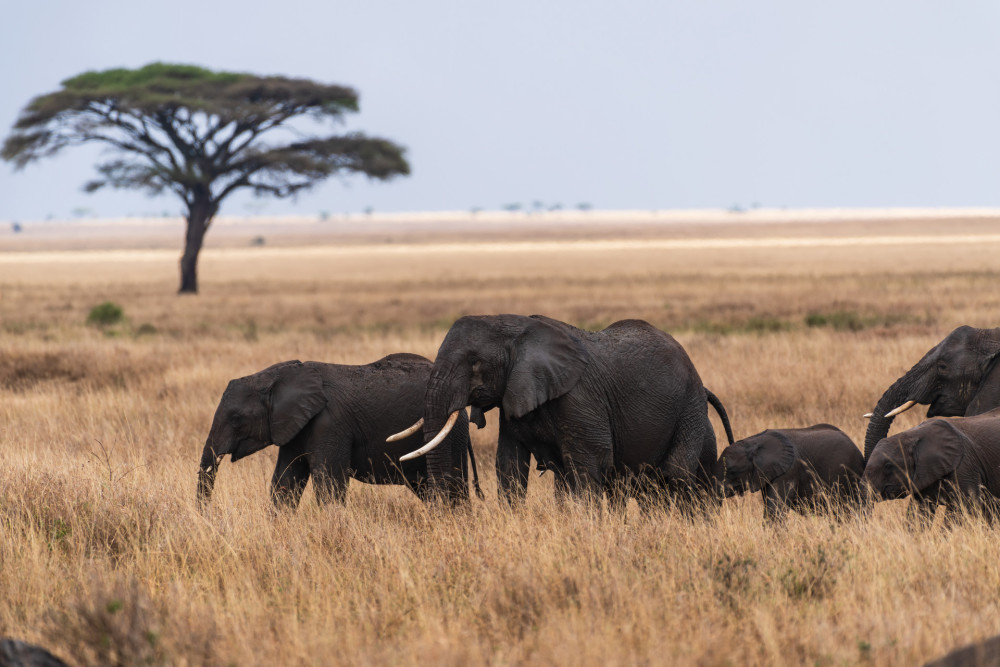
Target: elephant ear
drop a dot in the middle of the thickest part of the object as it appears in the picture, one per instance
(987, 395)
(294, 398)
(937, 453)
(772, 455)
(546, 362)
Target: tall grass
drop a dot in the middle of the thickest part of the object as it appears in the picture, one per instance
(105, 559)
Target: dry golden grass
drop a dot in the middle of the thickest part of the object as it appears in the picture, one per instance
(104, 556)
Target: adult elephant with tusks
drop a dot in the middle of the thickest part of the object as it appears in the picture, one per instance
(616, 411)
(958, 377)
(330, 422)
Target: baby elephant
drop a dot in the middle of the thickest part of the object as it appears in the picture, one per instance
(331, 422)
(941, 461)
(794, 467)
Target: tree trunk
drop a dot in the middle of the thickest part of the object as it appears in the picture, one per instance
(199, 216)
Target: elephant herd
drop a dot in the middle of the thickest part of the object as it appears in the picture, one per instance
(620, 413)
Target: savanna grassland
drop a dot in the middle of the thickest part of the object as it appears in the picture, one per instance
(105, 559)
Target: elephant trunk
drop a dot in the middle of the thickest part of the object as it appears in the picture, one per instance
(447, 391)
(206, 473)
(902, 390)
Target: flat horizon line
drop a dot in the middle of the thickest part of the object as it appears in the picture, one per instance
(573, 216)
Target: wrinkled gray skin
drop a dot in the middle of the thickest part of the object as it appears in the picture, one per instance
(331, 422)
(941, 461)
(619, 411)
(958, 377)
(799, 468)
(14, 653)
(985, 653)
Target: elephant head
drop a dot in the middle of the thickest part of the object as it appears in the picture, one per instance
(957, 377)
(749, 464)
(513, 362)
(269, 407)
(911, 461)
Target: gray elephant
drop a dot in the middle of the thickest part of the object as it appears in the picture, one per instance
(330, 422)
(941, 461)
(958, 377)
(14, 653)
(800, 468)
(616, 411)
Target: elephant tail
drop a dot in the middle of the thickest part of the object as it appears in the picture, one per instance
(475, 472)
(719, 408)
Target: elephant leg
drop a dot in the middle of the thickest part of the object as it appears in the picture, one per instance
(990, 507)
(617, 491)
(847, 494)
(513, 462)
(587, 460)
(684, 461)
(331, 462)
(775, 502)
(291, 473)
(962, 504)
(651, 490)
(458, 479)
(560, 489)
(708, 485)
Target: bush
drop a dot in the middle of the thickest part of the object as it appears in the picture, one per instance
(105, 314)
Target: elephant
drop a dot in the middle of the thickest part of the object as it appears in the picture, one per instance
(958, 377)
(612, 411)
(941, 461)
(15, 653)
(330, 421)
(984, 653)
(795, 468)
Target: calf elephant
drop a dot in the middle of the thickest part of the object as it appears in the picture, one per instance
(330, 422)
(941, 461)
(958, 377)
(814, 467)
(606, 411)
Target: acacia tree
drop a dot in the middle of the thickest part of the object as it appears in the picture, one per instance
(201, 135)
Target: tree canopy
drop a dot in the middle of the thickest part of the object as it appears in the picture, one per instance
(201, 135)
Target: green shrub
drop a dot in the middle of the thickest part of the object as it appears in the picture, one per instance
(840, 320)
(105, 314)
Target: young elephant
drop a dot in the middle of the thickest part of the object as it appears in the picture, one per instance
(941, 461)
(330, 421)
(793, 467)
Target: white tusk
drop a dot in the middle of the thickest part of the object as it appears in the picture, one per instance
(903, 408)
(868, 415)
(407, 433)
(438, 439)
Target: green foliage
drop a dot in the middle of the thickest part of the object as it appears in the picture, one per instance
(841, 320)
(105, 314)
(155, 76)
(758, 324)
(850, 320)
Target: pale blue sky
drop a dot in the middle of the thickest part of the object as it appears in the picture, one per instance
(620, 104)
